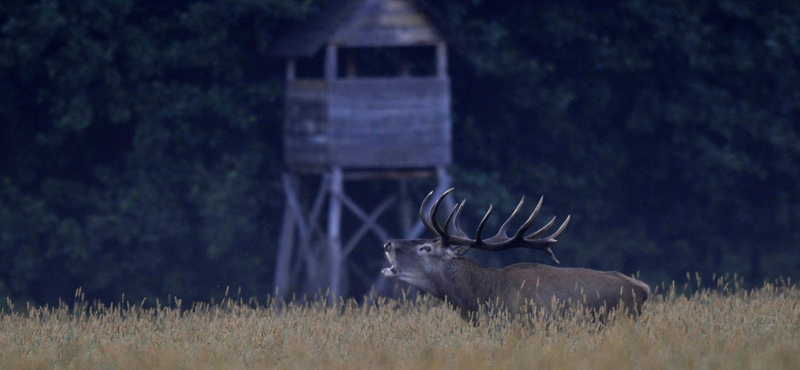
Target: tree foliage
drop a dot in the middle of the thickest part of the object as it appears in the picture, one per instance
(140, 141)
(670, 129)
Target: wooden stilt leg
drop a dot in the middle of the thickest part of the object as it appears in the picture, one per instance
(334, 229)
(406, 219)
(282, 279)
(315, 258)
(444, 184)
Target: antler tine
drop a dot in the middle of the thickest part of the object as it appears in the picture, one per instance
(550, 253)
(542, 230)
(501, 234)
(478, 233)
(446, 234)
(502, 242)
(529, 222)
(545, 243)
(435, 209)
(560, 228)
(456, 221)
(422, 217)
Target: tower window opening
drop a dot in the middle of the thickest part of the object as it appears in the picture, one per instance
(366, 62)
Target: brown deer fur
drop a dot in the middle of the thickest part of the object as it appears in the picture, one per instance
(438, 267)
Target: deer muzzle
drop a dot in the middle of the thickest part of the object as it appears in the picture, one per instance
(390, 271)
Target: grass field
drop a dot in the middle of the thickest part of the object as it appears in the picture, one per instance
(719, 328)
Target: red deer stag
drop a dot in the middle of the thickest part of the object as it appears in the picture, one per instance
(438, 267)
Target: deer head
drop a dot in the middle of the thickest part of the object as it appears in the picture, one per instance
(419, 261)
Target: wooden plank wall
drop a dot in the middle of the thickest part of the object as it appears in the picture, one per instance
(305, 131)
(390, 123)
(373, 123)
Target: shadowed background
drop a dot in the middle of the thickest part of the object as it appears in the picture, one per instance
(140, 141)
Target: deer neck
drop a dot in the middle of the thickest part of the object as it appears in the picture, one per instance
(464, 284)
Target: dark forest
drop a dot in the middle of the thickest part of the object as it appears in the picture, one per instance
(140, 141)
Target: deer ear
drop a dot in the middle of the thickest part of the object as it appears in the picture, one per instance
(459, 250)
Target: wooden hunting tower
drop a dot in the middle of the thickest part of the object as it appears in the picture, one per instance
(367, 97)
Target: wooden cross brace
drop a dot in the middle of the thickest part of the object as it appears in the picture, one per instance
(370, 222)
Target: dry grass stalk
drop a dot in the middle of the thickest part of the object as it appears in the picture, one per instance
(721, 328)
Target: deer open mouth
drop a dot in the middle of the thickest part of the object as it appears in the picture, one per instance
(390, 271)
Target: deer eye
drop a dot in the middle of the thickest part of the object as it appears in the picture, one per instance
(425, 248)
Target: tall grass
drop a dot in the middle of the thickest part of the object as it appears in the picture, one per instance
(720, 328)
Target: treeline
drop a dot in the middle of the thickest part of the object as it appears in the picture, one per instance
(140, 141)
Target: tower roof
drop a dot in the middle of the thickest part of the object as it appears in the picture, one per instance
(359, 23)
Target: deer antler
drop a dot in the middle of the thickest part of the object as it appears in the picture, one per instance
(500, 241)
